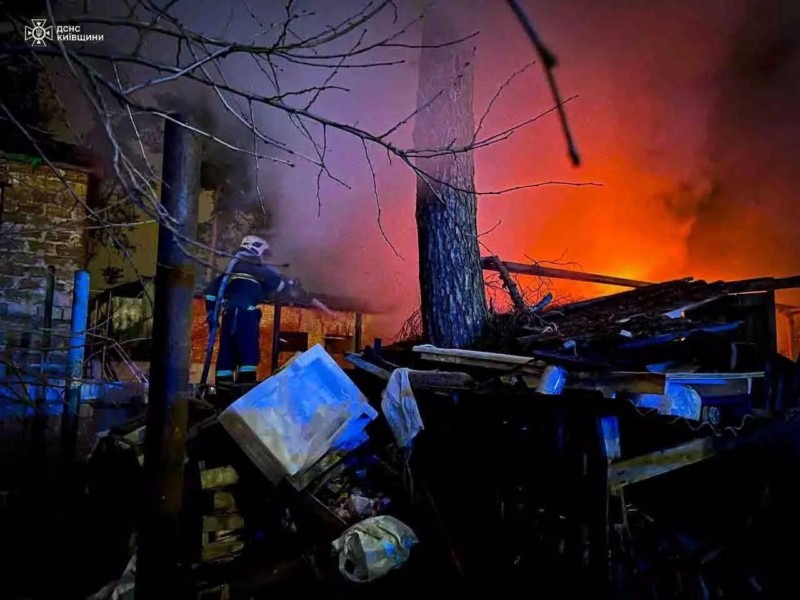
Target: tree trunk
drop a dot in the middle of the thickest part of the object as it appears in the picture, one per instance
(451, 279)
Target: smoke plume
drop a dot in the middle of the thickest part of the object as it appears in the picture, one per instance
(686, 112)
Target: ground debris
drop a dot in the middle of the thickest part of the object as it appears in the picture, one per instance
(529, 442)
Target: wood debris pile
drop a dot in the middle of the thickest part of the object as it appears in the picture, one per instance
(573, 408)
(530, 462)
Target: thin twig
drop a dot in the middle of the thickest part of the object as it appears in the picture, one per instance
(549, 61)
(378, 200)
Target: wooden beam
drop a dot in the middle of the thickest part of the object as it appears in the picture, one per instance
(787, 309)
(483, 360)
(440, 379)
(365, 365)
(475, 355)
(276, 334)
(510, 284)
(417, 379)
(359, 331)
(615, 382)
(764, 284)
(553, 273)
(647, 466)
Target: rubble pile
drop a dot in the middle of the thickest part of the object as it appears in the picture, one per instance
(492, 465)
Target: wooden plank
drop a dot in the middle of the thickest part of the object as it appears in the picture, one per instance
(365, 365)
(475, 355)
(634, 297)
(553, 273)
(647, 466)
(221, 549)
(441, 379)
(302, 479)
(715, 384)
(678, 313)
(534, 369)
(609, 388)
(223, 522)
(447, 379)
(613, 382)
(224, 502)
(470, 362)
(218, 477)
(716, 376)
(763, 284)
(607, 383)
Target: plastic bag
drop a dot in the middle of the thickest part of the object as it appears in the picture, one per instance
(399, 406)
(373, 547)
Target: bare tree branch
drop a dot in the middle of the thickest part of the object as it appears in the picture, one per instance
(201, 58)
(378, 200)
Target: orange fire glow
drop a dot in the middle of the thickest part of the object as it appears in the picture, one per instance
(696, 177)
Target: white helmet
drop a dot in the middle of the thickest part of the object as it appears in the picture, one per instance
(255, 244)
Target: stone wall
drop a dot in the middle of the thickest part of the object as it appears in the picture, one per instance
(42, 224)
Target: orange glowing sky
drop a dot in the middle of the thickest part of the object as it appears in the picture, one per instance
(669, 119)
(652, 80)
(687, 113)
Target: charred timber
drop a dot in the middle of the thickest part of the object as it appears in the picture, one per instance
(489, 264)
(509, 282)
(421, 379)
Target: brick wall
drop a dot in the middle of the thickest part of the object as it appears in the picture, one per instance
(293, 319)
(41, 224)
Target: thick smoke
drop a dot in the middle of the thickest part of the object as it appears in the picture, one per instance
(750, 225)
(687, 113)
(328, 231)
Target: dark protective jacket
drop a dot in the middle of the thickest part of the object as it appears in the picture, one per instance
(248, 284)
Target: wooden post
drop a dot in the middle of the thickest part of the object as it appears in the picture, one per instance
(276, 334)
(212, 259)
(359, 332)
(158, 559)
(772, 326)
(790, 336)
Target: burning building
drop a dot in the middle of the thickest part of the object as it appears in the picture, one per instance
(124, 313)
(286, 330)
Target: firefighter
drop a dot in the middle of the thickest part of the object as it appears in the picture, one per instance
(246, 283)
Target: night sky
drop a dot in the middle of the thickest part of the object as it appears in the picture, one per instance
(686, 113)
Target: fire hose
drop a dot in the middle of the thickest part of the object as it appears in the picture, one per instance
(214, 324)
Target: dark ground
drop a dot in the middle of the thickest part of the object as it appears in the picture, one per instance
(728, 529)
